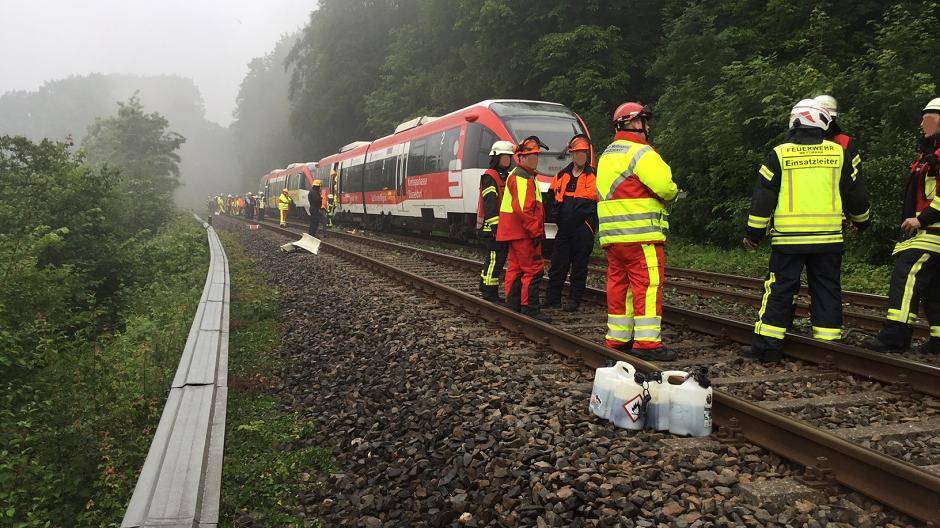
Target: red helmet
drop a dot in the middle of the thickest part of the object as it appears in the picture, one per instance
(630, 111)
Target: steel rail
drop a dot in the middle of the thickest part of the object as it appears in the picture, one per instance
(898, 484)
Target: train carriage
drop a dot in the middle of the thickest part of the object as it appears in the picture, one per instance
(425, 176)
(297, 178)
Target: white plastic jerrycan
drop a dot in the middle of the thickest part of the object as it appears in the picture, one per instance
(627, 407)
(660, 389)
(605, 379)
(690, 406)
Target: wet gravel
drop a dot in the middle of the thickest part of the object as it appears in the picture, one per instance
(434, 420)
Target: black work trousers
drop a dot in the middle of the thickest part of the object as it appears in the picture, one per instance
(571, 252)
(824, 276)
(493, 262)
(314, 222)
(915, 280)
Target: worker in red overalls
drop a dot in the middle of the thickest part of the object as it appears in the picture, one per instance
(522, 225)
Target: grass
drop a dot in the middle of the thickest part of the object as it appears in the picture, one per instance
(267, 462)
(857, 273)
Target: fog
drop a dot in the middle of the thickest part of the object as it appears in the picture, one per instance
(67, 63)
(208, 41)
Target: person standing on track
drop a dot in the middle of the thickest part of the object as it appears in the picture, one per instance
(572, 205)
(250, 206)
(260, 207)
(803, 189)
(220, 202)
(633, 186)
(317, 205)
(283, 205)
(916, 275)
(522, 225)
(492, 184)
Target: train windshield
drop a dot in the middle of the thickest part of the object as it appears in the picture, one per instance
(554, 124)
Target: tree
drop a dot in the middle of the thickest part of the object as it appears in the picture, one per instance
(145, 151)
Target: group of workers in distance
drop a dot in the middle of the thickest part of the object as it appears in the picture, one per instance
(246, 205)
(807, 192)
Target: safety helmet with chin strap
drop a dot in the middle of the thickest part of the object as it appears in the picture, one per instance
(808, 113)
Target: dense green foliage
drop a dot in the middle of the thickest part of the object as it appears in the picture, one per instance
(94, 310)
(268, 460)
(721, 75)
(263, 140)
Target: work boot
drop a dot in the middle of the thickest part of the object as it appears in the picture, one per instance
(764, 356)
(876, 344)
(655, 354)
(626, 348)
(491, 294)
(536, 314)
(931, 346)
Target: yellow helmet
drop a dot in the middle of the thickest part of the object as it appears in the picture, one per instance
(317, 183)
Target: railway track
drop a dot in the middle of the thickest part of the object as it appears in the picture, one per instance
(867, 315)
(864, 420)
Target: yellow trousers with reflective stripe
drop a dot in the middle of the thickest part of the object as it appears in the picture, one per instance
(823, 272)
(915, 284)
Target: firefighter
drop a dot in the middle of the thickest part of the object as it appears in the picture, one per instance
(492, 183)
(260, 207)
(250, 206)
(803, 189)
(835, 132)
(572, 205)
(283, 205)
(633, 186)
(210, 204)
(330, 208)
(317, 205)
(522, 225)
(916, 275)
(221, 203)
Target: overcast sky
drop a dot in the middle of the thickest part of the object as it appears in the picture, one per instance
(210, 41)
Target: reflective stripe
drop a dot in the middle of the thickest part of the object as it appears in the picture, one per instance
(765, 329)
(647, 321)
(759, 222)
(631, 230)
(619, 335)
(806, 239)
(652, 291)
(909, 287)
(923, 240)
(827, 334)
(487, 275)
(766, 173)
(862, 217)
(895, 315)
(492, 220)
(627, 173)
(489, 190)
(628, 217)
(935, 331)
(651, 334)
(623, 320)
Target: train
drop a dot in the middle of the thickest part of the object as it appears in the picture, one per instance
(424, 177)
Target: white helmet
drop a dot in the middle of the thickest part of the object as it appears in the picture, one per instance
(829, 103)
(932, 107)
(502, 147)
(809, 113)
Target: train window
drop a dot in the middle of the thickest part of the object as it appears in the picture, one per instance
(476, 148)
(303, 180)
(416, 155)
(433, 157)
(449, 148)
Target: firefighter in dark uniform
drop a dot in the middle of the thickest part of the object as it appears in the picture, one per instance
(572, 206)
(916, 275)
(492, 183)
(317, 206)
(803, 190)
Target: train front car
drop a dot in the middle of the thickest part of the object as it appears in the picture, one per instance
(425, 176)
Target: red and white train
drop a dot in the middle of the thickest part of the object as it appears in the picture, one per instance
(426, 175)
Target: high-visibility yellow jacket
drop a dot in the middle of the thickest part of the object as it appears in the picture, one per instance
(633, 186)
(283, 202)
(803, 191)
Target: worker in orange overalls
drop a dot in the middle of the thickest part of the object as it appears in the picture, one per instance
(572, 205)
(522, 225)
